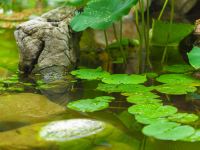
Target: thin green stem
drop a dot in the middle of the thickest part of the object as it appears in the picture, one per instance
(121, 27)
(106, 38)
(163, 9)
(171, 22)
(148, 27)
(118, 41)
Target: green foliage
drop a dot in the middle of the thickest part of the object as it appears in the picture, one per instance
(124, 79)
(194, 137)
(175, 89)
(76, 2)
(178, 68)
(91, 105)
(100, 14)
(194, 56)
(124, 88)
(166, 34)
(183, 117)
(148, 120)
(155, 110)
(177, 79)
(90, 74)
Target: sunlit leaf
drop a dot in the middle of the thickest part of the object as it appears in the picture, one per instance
(194, 56)
(177, 79)
(91, 105)
(124, 79)
(90, 74)
(155, 110)
(194, 137)
(100, 14)
(76, 2)
(125, 88)
(147, 120)
(183, 117)
(179, 68)
(168, 131)
(175, 89)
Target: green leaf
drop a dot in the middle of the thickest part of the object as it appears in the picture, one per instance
(168, 131)
(183, 117)
(177, 79)
(147, 120)
(125, 88)
(76, 2)
(91, 105)
(175, 89)
(179, 68)
(194, 56)
(194, 137)
(90, 74)
(166, 34)
(124, 79)
(100, 14)
(155, 110)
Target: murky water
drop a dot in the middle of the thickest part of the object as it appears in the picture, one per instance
(22, 110)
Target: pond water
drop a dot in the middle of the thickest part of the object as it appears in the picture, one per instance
(26, 106)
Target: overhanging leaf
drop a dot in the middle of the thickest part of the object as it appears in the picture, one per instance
(91, 105)
(194, 56)
(100, 14)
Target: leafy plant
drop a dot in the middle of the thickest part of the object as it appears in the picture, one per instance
(183, 117)
(178, 68)
(91, 105)
(193, 56)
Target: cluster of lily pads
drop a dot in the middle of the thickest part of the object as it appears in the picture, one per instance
(161, 121)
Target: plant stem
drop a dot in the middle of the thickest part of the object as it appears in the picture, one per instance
(118, 41)
(171, 21)
(148, 27)
(106, 38)
(163, 9)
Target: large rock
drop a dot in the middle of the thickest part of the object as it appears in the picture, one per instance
(47, 44)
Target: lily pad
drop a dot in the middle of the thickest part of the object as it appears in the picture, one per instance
(100, 14)
(183, 117)
(168, 131)
(175, 89)
(124, 79)
(147, 120)
(90, 74)
(91, 105)
(125, 88)
(194, 137)
(193, 56)
(179, 68)
(155, 110)
(177, 79)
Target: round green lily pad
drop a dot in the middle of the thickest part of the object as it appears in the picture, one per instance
(168, 131)
(183, 117)
(147, 120)
(90, 74)
(175, 89)
(155, 110)
(139, 100)
(124, 79)
(91, 105)
(194, 137)
(178, 68)
(177, 79)
(125, 88)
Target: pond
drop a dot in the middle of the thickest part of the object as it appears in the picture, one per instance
(34, 115)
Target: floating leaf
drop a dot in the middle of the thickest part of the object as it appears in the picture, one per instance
(91, 105)
(155, 110)
(124, 79)
(143, 101)
(168, 131)
(100, 14)
(151, 75)
(194, 56)
(125, 88)
(171, 34)
(90, 74)
(147, 120)
(177, 79)
(179, 68)
(175, 89)
(183, 117)
(194, 137)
